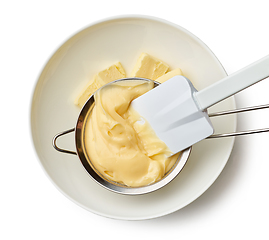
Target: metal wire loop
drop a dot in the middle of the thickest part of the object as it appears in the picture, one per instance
(59, 135)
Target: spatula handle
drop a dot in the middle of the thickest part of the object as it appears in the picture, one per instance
(233, 83)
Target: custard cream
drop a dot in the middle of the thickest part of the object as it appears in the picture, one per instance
(149, 67)
(122, 146)
(112, 73)
(169, 75)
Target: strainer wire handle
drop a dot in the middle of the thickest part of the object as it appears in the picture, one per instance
(59, 135)
(239, 111)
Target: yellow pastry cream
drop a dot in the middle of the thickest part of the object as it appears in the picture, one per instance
(120, 144)
(110, 74)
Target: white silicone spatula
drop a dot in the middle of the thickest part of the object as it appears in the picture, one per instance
(177, 111)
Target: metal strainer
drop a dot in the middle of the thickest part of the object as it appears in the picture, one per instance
(118, 187)
(98, 177)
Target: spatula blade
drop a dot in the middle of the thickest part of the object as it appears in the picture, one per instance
(173, 113)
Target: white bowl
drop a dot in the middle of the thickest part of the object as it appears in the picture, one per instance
(93, 49)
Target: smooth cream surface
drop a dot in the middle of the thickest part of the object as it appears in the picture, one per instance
(121, 146)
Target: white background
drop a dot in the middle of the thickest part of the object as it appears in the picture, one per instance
(234, 207)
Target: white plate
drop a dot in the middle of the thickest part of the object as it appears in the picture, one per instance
(93, 49)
